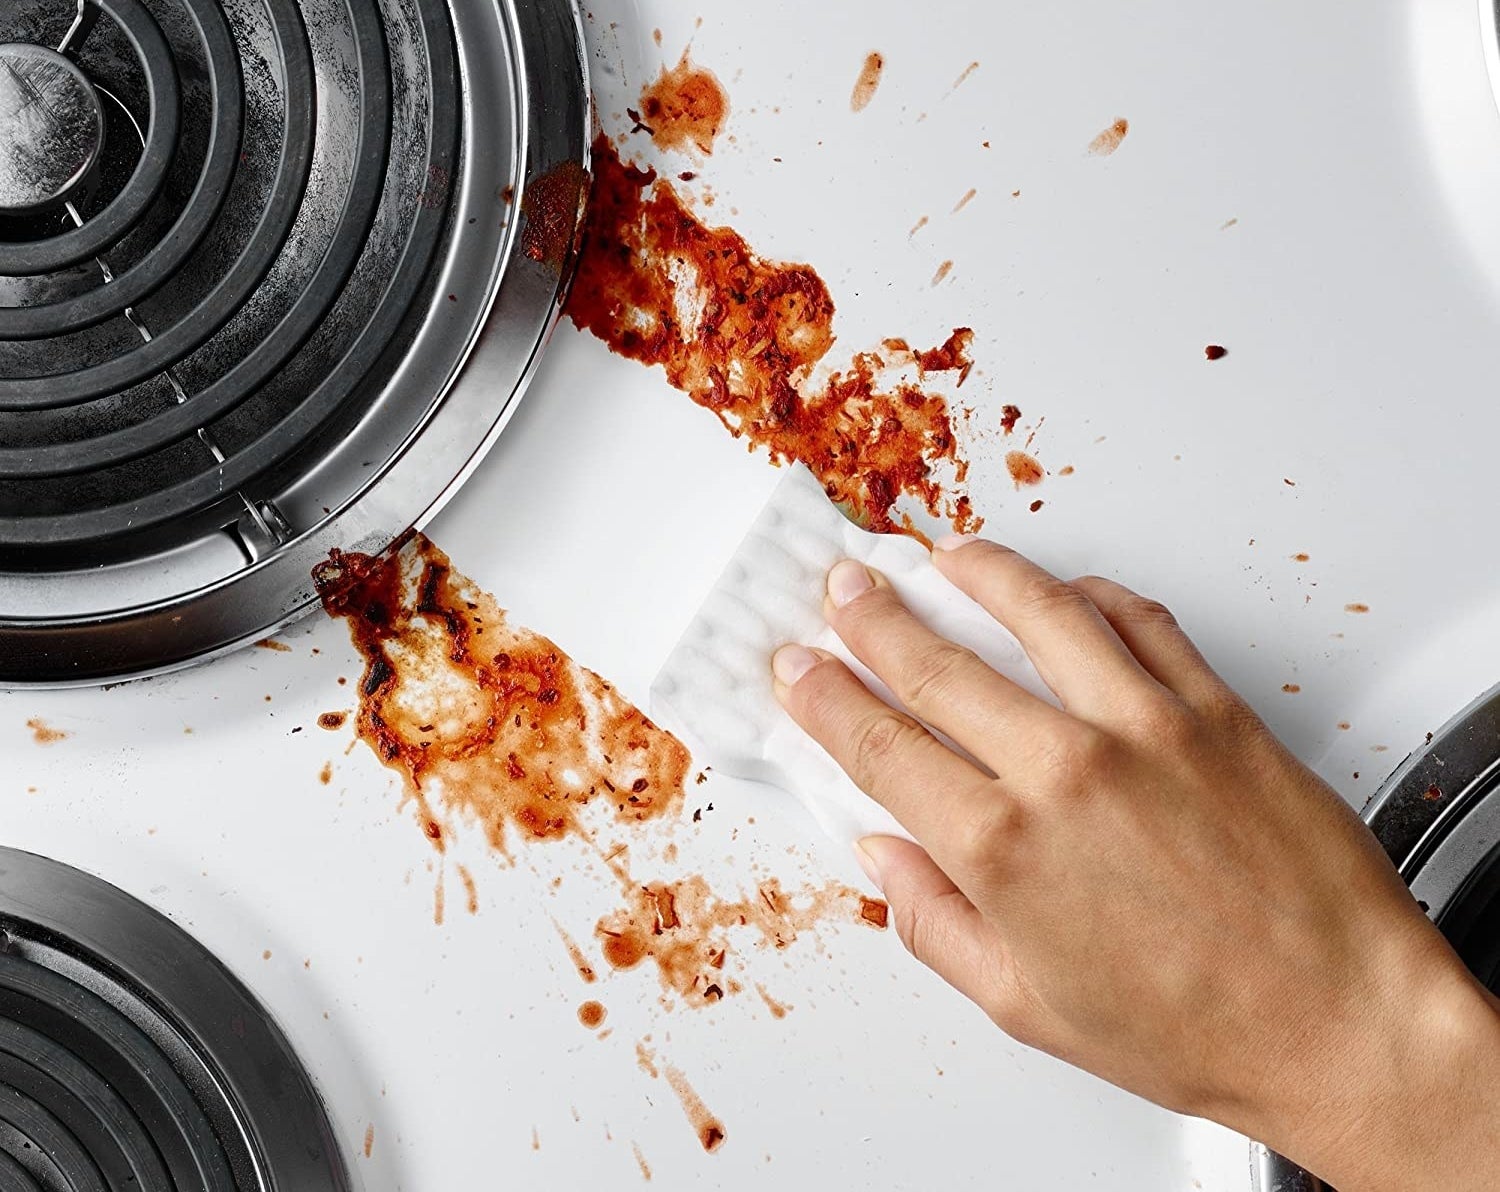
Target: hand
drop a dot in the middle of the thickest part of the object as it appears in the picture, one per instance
(1147, 884)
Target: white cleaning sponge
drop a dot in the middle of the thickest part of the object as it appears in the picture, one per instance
(715, 688)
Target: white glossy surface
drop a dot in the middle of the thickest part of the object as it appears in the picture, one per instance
(1358, 149)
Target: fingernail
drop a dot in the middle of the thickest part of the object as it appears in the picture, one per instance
(790, 663)
(847, 580)
(954, 541)
(867, 863)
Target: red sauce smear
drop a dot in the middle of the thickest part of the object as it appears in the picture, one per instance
(743, 336)
(1109, 140)
(369, 1140)
(684, 929)
(710, 1129)
(685, 108)
(867, 83)
(270, 643)
(1009, 416)
(552, 207)
(489, 722)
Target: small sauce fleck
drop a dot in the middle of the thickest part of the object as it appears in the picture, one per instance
(1291, 688)
(942, 273)
(1302, 557)
(332, 721)
(325, 775)
(685, 108)
(1215, 352)
(591, 1014)
(270, 643)
(1433, 793)
(640, 1161)
(1065, 471)
(963, 78)
(1109, 140)
(369, 1140)
(1009, 416)
(1356, 608)
(1024, 469)
(552, 206)
(471, 890)
(966, 200)
(868, 82)
(778, 1009)
(1036, 506)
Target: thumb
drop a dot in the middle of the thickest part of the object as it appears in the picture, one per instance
(933, 917)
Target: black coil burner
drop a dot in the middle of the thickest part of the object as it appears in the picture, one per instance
(247, 251)
(132, 1061)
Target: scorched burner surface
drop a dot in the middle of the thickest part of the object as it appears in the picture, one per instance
(247, 250)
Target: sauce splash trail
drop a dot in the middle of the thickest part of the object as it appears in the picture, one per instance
(743, 336)
(489, 722)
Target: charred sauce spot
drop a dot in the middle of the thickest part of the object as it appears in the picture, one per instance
(685, 108)
(552, 205)
(332, 721)
(489, 722)
(868, 82)
(744, 338)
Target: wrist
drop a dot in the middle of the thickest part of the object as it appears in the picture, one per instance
(1405, 1096)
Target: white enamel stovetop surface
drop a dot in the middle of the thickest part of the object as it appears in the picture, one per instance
(1356, 146)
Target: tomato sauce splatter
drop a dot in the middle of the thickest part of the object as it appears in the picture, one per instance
(490, 723)
(684, 109)
(332, 721)
(552, 208)
(1009, 416)
(1109, 140)
(270, 643)
(591, 1014)
(745, 337)
(43, 733)
(868, 82)
(1023, 468)
(684, 928)
(710, 1130)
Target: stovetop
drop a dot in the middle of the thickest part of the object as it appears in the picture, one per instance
(1313, 192)
(245, 252)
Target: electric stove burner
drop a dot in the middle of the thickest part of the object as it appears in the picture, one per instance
(1438, 819)
(246, 249)
(131, 1059)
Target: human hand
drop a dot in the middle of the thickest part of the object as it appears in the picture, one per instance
(1147, 884)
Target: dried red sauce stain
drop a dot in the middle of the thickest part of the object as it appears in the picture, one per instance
(325, 775)
(471, 890)
(684, 109)
(332, 721)
(369, 1140)
(684, 928)
(490, 723)
(1009, 416)
(743, 337)
(1109, 140)
(1036, 506)
(1291, 688)
(778, 1009)
(868, 82)
(43, 733)
(1215, 352)
(1302, 557)
(552, 206)
(640, 1161)
(1356, 608)
(580, 961)
(1433, 793)
(591, 1014)
(1023, 468)
(270, 643)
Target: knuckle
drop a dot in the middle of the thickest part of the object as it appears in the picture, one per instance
(1070, 762)
(1229, 714)
(1149, 613)
(879, 739)
(1163, 721)
(932, 679)
(1042, 597)
(993, 834)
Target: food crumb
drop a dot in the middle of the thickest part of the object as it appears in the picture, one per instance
(1215, 352)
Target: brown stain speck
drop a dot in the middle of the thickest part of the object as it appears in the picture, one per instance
(1301, 557)
(778, 1009)
(1109, 140)
(966, 200)
(332, 721)
(270, 643)
(43, 733)
(1291, 688)
(1357, 608)
(640, 1161)
(1215, 352)
(586, 971)
(868, 82)
(1009, 416)
(942, 273)
(962, 79)
(685, 108)
(536, 1139)
(471, 890)
(325, 775)
(1023, 468)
